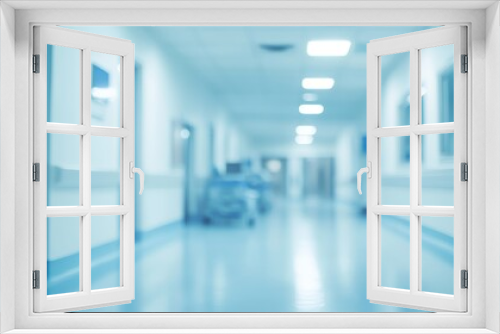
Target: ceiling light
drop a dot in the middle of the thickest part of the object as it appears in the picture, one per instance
(307, 130)
(311, 109)
(318, 83)
(102, 93)
(310, 97)
(328, 48)
(304, 140)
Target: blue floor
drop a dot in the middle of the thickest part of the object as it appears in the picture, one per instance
(302, 257)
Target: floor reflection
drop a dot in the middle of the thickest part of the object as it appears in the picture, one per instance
(304, 256)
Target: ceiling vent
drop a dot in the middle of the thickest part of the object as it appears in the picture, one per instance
(276, 47)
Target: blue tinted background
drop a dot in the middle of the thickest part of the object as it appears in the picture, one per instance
(235, 216)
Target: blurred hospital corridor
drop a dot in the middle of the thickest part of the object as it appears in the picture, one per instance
(250, 144)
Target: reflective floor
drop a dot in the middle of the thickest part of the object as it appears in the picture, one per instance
(304, 256)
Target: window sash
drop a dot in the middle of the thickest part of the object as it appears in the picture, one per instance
(413, 43)
(86, 297)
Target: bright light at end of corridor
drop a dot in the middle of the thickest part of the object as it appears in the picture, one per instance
(328, 48)
(311, 109)
(318, 83)
(273, 165)
(307, 130)
(304, 140)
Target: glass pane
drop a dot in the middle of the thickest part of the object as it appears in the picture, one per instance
(437, 169)
(395, 251)
(63, 255)
(105, 252)
(437, 254)
(395, 89)
(63, 170)
(63, 84)
(395, 169)
(437, 88)
(105, 170)
(106, 88)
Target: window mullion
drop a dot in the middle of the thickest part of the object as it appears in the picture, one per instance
(86, 171)
(414, 172)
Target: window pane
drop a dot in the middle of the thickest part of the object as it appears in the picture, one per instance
(437, 169)
(395, 251)
(105, 171)
(437, 88)
(63, 84)
(105, 252)
(437, 254)
(106, 89)
(63, 255)
(63, 170)
(395, 89)
(395, 170)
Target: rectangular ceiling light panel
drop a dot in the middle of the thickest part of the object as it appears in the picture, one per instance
(311, 109)
(328, 48)
(318, 83)
(308, 130)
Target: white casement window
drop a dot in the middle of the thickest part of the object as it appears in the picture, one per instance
(29, 212)
(414, 133)
(81, 214)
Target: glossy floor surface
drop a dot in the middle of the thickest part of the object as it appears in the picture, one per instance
(304, 256)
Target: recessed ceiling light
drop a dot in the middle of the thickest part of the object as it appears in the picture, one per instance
(308, 130)
(318, 83)
(309, 97)
(304, 140)
(311, 109)
(328, 48)
(103, 93)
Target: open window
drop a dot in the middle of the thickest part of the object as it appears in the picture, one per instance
(99, 112)
(414, 148)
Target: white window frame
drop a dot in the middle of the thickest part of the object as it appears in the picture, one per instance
(16, 122)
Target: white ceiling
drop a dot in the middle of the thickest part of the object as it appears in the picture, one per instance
(262, 90)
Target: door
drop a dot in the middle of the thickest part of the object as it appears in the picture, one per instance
(416, 151)
(83, 170)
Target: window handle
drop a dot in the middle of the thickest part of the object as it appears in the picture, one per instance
(368, 171)
(132, 171)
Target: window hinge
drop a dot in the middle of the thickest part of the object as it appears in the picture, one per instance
(465, 279)
(464, 172)
(36, 63)
(36, 279)
(465, 64)
(36, 172)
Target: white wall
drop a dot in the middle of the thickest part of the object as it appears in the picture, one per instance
(7, 167)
